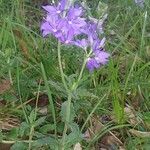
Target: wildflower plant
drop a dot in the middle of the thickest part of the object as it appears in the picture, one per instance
(68, 23)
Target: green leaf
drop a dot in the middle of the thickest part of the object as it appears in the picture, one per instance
(19, 146)
(60, 127)
(58, 88)
(47, 141)
(47, 128)
(24, 129)
(81, 92)
(13, 134)
(64, 112)
(39, 121)
(32, 117)
(75, 136)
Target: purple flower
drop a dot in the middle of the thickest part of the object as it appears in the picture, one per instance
(52, 10)
(65, 37)
(74, 21)
(55, 10)
(98, 24)
(64, 26)
(93, 29)
(45, 28)
(74, 12)
(99, 58)
(49, 25)
(98, 44)
(82, 43)
(92, 64)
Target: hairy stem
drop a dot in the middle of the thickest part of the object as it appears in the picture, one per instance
(75, 85)
(69, 91)
(61, 67)
(67, 120)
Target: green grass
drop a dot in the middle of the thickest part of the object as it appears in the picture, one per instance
(31, 64)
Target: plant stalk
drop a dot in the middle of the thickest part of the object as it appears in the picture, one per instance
(61, 67)
(69, 91)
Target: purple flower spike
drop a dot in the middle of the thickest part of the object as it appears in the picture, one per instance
(65, 21)
(64, 26)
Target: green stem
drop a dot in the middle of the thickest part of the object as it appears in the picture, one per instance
(68, 107)
(80, 76)
(60, 66)
(68, 92)
(30, 137)
(69, 95)
(67, 120)
(74, 87)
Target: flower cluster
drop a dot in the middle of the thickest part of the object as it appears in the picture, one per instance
(66, 22)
